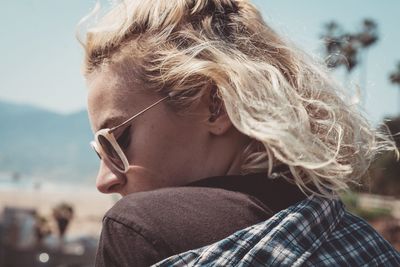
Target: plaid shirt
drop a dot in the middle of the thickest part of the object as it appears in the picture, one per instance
(313, 232)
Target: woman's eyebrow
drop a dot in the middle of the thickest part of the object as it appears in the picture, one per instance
(111, 122)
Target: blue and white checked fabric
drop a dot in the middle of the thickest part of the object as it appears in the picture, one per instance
(313, 232)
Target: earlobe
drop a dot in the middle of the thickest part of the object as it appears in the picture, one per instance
(221, 124)
(218, 121)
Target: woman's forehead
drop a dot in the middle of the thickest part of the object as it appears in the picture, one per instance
(109, 98)
(108, 87)
(108, 120)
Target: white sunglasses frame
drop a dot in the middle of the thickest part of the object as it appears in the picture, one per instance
(107, 133)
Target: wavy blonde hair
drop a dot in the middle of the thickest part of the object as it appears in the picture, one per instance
(293, 111)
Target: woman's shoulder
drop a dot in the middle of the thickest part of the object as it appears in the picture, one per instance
(183, 203)
(169, 221)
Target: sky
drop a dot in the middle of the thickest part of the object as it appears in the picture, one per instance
(41, 58)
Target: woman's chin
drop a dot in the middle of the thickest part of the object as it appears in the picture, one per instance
(140, 179)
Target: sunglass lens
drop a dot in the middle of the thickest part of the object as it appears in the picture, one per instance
(95, 149)
(111, 152)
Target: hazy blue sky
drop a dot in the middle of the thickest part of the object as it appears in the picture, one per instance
(40, 61)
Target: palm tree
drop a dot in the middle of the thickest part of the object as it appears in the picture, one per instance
(344, 49)
(366, 38)
(333, 43)
(341, 48)
(42, 228)
(63, 214)
(349, 51)
(369, 34)
(395, 79)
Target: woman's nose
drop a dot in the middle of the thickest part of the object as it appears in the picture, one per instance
(107, 181)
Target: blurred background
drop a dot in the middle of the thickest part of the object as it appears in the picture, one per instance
(50, 211)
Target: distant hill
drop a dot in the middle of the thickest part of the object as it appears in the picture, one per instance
(37, 142)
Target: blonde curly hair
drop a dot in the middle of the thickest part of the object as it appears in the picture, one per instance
(281, 98)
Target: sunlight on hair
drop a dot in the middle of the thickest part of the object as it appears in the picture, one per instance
(273, 92)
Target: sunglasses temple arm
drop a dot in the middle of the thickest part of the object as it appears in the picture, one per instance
(130, 119)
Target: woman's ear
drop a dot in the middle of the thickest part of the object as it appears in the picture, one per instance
(218, 121)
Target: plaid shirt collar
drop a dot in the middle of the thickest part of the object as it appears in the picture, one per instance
(315, 230)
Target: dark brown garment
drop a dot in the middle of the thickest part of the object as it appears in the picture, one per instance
(144, 228)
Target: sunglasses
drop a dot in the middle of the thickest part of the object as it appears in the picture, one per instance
(108, 149)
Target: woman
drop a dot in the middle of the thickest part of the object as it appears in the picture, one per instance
(218, 133)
